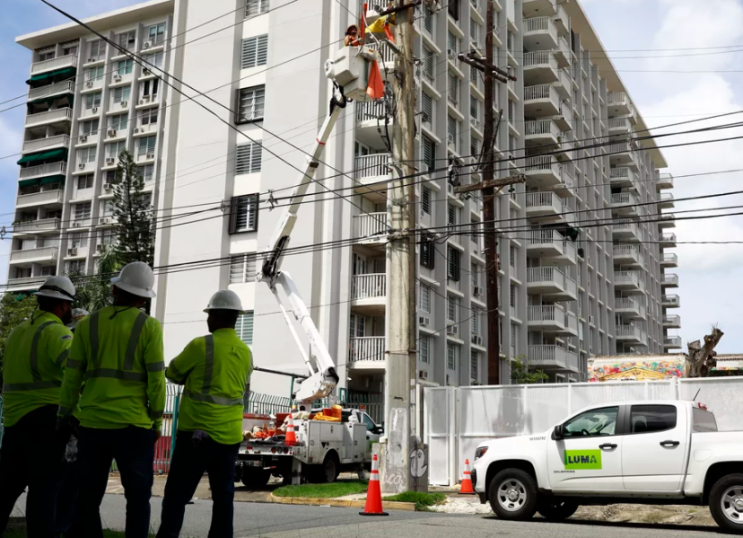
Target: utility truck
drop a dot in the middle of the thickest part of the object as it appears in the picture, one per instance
(645, 452)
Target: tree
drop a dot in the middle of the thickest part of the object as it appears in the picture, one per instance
(702, 357)
(14, 309)
(521, 374)
(133, 213)
(93, 293)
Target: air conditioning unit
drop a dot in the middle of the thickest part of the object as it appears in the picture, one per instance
(451, 139)
(145, 99)
(108, 187)
(110, 160)
(77, 224)
(592, 320)
(83, 138)
(478, 291)
(452, 54)
(100, 248)
(124, 104)
(150, 156)
(425, 118)
(136, 130)
(89, 84)
(94, 110)
(477, 340)
(92, 60)
(452, 329)
(112, 133)
(105, 220)
(81, 166)
(146, 71)
(477, 124)
(116, 77)
(422, 374)
(72, 252)
(146, 45)
(423, 321)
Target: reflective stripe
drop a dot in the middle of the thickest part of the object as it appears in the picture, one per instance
(37, 385)
(94, 338)
(35, 350)
(208, 364)
(154, 415)
(76, 365)
(64, 411)
(131, 347)
(116, 374)
(211, 399)
(63, 356)
(156, 366)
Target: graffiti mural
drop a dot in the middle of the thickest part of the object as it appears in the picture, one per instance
(636, 370)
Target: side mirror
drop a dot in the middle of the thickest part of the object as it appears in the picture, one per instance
(378, 430)
(558, 433)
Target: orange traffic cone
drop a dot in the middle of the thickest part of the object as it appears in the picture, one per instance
(466, 488)
(291, 437)
(373, 505)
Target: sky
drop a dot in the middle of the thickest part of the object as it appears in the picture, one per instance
(675, 58)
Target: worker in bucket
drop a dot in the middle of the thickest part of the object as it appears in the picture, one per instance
(67, 490)
(32, 450)
(352, 36)
(118, 352)
(215, 370)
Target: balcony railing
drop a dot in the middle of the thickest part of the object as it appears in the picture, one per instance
(626, 251)
(55, 63)
(36, 281)
(668, 238)
(625, 303)
(546, 355)
(41, 225)
(672, 320)
(58, 114)
(50, 169)
(626, 227)
(43, 143)
(369, 225)
(542, 91)
(369, 286)
(623, 199)
(374, 165)
(44, 253)
(535, 164)
(620, 124)
(670, 258)
(622, 172)
(672, 341)
(542, 58)
(370, 110)
(618, 98)
(669, 280)
(366, 348)
(66, 86)
(631, 331)
(671, 301)
(627, 277)
(620, 147)
(554, 275)
(44, 197)
(541, 24)
(542, 127)
(544, 200)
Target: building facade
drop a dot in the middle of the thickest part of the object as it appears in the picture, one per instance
(580, 273)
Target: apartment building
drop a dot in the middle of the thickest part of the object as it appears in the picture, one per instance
(569, 289)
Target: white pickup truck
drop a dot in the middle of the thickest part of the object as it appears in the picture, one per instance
(639, 452)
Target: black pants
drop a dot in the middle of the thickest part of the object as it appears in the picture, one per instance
(134, 451)
(186, 470)
(31, 456)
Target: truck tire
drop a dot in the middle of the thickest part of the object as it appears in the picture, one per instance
(255, 478)
(726, 503)
(555, 509)
(513, 495)
(330, 469)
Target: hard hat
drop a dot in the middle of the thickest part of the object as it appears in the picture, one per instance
(225, 300)
(77, 315)
(136, 278)
(57, 287)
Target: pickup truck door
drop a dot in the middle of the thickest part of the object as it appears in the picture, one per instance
(589, 457)
(655, 448)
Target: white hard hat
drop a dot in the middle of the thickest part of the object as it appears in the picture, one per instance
(136, 278)
(225, 300)
(57, 287)
(77, 315)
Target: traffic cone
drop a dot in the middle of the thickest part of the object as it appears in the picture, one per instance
(291, 437)
(466, 488)
(373, 505)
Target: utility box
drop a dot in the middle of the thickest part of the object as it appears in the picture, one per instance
(350, 70)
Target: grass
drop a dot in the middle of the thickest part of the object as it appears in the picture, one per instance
(423, 501)
(323, 491)
(17, 529)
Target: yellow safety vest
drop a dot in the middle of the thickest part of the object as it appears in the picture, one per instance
(118, 353)
(215, 370)
(35, 357)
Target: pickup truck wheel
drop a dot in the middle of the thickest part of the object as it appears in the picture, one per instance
(726, 503)
(255, 478)
(513, 495)
(330, 469)
(556, 510)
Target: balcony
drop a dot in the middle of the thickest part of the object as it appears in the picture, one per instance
(50, 90)
(620, 154)
(630, 308)
(371, 170)
(562, 52)
(530, 8)
(672, 322)
(670, 301)
(546, 357)
(666, 200)
(552, 283)
(627, 255)
(552, 319)
(36, 226)
(540, 33)
(625, 231)
(370, 228)
(540, 68)
(664, 181)
(367, 352)
(564, 118)
(619, 126)
(49, 117)
(548, 207)
(669, 260)
(60, 62)
(34, 255)
(668, 240)
(631, 334)
(50, 169)
(541, 101)
(562, 21)
(26, 282)
(672, 342)
(669, 280)
(623, 176)
(629, 282)
(552, 246)
(53, 197)
(542, 133)
(667, 220)
(624, 203)
(369, 293)
(51, 142)
(367, 123)
(618, 104)
(543, 171)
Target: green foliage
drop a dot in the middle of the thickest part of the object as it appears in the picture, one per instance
(133, 213)
(14, 309)
(422, 500)
(522, 374)
(93, 293)
(323, 491)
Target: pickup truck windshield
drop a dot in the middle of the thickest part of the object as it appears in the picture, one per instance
(595, 422)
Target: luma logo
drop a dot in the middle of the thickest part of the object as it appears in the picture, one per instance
(582, 459)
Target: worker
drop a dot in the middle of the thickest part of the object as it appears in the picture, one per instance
(118, 352)
(67, 490)
(351, 39)
(31, 454)
(215, 370)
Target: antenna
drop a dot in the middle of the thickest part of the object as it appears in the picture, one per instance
(695, 396)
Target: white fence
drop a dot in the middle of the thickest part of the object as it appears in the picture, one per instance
(458, 419)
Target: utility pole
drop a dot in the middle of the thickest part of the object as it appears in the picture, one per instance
(491, 75)
(401, 371)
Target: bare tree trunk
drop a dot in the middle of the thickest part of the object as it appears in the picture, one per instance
(702, 357)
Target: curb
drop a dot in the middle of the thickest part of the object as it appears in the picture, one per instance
(339, 503)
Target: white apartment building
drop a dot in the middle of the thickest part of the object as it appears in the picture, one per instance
(569, 288)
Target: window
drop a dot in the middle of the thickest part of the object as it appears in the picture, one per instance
(425, 299)
(126, 40)
(45, 54)
(514, 339)
(147, 172)
(78, 240)
(89, 127)
(453, 89)
(452, 309)
(512, 256)
(428, 19)
(254, 51)
(474, 31)
(146, 145)
(92, 100)
(428, 154)
(593, 423)
(107, 208)
(149, 89)
(452, 217)
(475, 276)
(82, 211)
(108, 237)
(85, 182)
(69, 50)
(429, 63)
(94, 73)
(248, 158)
(156, 34)
(148, 117)
(427, 254)
(474, 108)
(251, 103)
(244, 214)
(652, 418)
(452, 352)
(474, 365)
(424, 349)
(476, 322)
(704, 421)
(244, 327)
(256, 7)
(453, 264)
(110, 176)
(358, 326)
(427, 108)
(242, 269)
(119, 121)
(124, 67)
(451, 131)
(453, 43)
(75, 267)
(513, 295)
(96, 49)
(121, 95)
(114, 150)
(151, 60)
(426, 200)
(86, 155)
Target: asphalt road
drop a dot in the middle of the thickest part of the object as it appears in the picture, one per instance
(285, 521)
